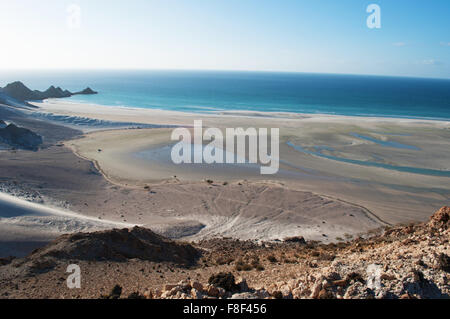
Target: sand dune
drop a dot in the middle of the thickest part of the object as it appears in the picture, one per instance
(25, 225)
(87, 124)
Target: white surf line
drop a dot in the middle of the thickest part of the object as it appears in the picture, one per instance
(26, 208)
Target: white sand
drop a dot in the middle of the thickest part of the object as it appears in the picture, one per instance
(393, 195)
(24, 224)
(219, 119)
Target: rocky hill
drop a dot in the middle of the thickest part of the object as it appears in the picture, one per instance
(19, 137)
(401, 262)
(19, 92)
(9, 101)
(118, 245)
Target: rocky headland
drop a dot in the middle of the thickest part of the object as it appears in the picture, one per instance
(17, 91)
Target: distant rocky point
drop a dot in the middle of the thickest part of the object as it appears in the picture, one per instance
(86, 91)
(18, 91)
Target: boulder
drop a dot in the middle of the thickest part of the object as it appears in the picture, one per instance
(243, 286)
(444, 262)
(115, 293)
(197, 285)
(212, 291)
(225, 281)
(440, 219)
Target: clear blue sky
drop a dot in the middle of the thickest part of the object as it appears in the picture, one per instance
(328, 36)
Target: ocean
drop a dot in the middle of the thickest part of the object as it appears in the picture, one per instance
(211, 91)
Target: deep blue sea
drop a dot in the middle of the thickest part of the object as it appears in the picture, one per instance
(205, 91)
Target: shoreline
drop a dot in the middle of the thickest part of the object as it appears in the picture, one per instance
(98, 109)
(320, 175)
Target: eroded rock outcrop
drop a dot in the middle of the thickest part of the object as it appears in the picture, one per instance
(118, 245)
(19, 137)
(441, 219)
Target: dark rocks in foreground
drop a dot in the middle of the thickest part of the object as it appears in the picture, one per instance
(297, 240)
(119, 245)
(398, 262)
(6, 261)
(225, 281)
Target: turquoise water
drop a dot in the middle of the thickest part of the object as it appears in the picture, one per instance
(206, 91)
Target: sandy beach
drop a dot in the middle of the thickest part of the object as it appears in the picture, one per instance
(392, 194)
(111, 167)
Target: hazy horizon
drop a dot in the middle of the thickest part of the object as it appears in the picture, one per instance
(323, 37)
(63, 70)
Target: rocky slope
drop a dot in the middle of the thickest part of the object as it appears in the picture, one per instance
(404, 262)
(9, 101)
(19, 137)
(409, 261)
